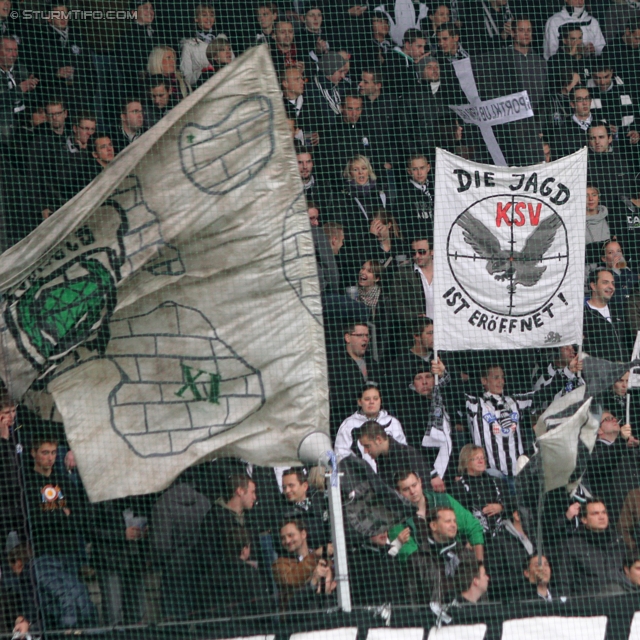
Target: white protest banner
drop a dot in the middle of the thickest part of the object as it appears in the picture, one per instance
(509, 253)
(634, 372)
(490, 113)
(172, 309)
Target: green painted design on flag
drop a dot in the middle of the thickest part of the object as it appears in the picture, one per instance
(66, 314)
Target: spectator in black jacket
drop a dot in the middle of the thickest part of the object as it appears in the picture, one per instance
(227, 514)
(410, 293)
(376, 574)
(426, 412)
(327, 88)
(472, 581)
(119, 534)
(284, 52)
(15, 83)
(538, 580)
(136, 45)
(102, 154)
(484, 495)
(632, 569)
(131, 124)
(11, 516)
(391, 457)
(349, 369)
(61, 57)
(348, 137)
(371, 41)
(292, 81)
(604, 333)
(246, 592)
(361, 198)
(606, 168)
(401, 67)
(308, 505)
(54, 510)
(593, 558)
(614, 102)
(160, 99)
(614, 466)
(61, 600)
(414, 202)
(571, 134)
(569, 59)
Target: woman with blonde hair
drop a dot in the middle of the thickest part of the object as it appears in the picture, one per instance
(477, 491)
(162, 61)
(361, 198)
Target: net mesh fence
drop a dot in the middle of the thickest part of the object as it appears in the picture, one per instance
(226, 228)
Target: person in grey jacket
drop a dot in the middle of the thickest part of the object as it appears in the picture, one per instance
(597, 230)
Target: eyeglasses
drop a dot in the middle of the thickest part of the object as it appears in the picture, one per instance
(420, 252)
(609, 419)
(359, 335)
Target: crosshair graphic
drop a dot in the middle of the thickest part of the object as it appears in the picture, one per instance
(522, 244)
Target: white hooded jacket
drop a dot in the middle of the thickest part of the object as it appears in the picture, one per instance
(591, 32)
(344, 438)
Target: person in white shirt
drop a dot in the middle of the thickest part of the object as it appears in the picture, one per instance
(193, 58)
(574, 11)
(370, 403)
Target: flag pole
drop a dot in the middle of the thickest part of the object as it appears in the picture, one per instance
(580, 359)
(435, 357)
(337, 535)
(628, 409)
(540, 507)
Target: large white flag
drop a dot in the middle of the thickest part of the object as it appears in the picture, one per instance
(171, 310)
(509, 253)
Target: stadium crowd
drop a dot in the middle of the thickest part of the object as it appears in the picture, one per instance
(429, 446)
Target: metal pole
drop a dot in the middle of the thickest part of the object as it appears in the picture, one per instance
(539, 534)
(579, 358)
(338, 537)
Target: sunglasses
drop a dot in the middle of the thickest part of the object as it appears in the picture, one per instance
(420, 252)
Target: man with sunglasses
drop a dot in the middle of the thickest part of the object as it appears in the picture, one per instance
(411, 289)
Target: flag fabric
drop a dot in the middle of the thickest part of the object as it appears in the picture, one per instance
(171, 310)
(561, 448)
(509, 253)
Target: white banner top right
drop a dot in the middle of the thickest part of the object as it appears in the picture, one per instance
(509, 246)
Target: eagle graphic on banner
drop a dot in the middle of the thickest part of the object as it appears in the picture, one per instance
(518, 267)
